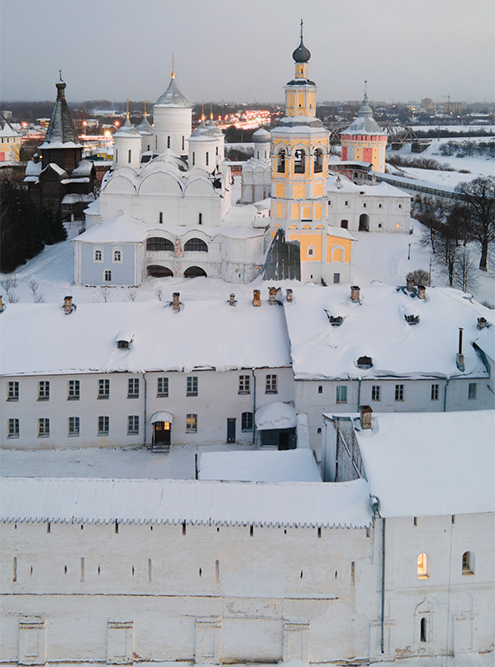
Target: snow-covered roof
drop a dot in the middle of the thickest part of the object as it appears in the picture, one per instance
(144, 127)
(339, 183)
(427, 464)
(33, 170)
(127, 130)
(83, 169)
(230, 337)
(6, 129)
(69, 500)
(261, 136)
(172, 97)
(275, 416)
(74, 198)
(364, 122)
(55, 167)
(376, 327)
(123, 229)
(60, 132)
(295, 465)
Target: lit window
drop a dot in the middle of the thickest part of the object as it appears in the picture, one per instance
(192, 386)
(423, 569)
(375, 392)
(98, 255)
(434, 392)
(13, 428)
(73, 391)
(43, 390)
(103, 388)
(244, 384)
(133, 388)
(341, 394)
(247, 421)
(132, 425)
(103, 425)
(13, 394)
(399, 392)
(73, 426)
(117, 255)
(162, 387)
(107, 276)
(43, 427)
(192, 423)
(467, 563)
(271, 384)
(472, 391)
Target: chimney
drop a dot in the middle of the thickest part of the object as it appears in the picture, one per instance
(175, 301)
(481, 322)
(272, 296)
(410, 284)
(232, 299)
(459, 361)
(421, 292)
(289, 296)
(256, 297)
(355, 294)
(366, 415)
(68, 307)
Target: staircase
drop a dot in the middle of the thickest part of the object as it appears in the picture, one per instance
(160, 448)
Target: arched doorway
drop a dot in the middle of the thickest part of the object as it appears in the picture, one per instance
(162, 428)
(195, 272)
(364, 222)
(156, 271)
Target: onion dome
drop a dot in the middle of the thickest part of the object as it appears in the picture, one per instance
(301, 54)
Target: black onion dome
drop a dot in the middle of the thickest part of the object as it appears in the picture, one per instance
(301, 54)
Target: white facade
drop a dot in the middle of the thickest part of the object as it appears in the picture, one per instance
(257, 172)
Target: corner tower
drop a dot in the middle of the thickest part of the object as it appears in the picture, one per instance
(299, 153)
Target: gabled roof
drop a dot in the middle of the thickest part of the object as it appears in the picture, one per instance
(60, 130)
(6, 129)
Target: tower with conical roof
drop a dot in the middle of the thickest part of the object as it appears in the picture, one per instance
(364, 140)
(172, 119)
(127, 145)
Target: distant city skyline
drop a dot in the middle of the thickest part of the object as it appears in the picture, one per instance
(225, 51)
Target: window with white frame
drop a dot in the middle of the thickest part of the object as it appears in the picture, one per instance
(244, 384)
(73, 426)
(43, 390)
(117, 255)
(271, 384)
(311, 251)
(375, 392)
(162, 387)
(13, 394)
(247, 421)
(192, 386)
(133, 425)
(107, 275)
(399, 392)
(98, 255)
(103, 388)
(103, 425)
(133, 388)
(13, 428)
(435, 390)
(341, 394)
(192, 423)
(472, 391)
(73, 390)
(43, 427)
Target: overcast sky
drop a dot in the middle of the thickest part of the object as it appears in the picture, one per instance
(229, 50)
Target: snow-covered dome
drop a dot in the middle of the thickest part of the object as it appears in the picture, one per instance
(172, 96)
(364, 123)
(261, 136)
(127, 130)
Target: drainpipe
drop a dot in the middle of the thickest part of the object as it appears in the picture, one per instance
(145, 393)
(254, 405)
(359, 394)
(382, 613)
(447, 380)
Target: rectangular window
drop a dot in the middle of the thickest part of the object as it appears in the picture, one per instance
(108, 276)
(271, 384)
(13, 428)
(132, 425)
(43, 390)
(434, 392)
(399, 392)
(162, 387)
(244, 386)
(247, 421)
(192, 423)
(103, 388)
(341, 394)
(103, 425)
(13, 394)
(73, 426)
(336, 278)
(73, 390)
(192, 386)
(43, 427)
(375, 392)
(133, 388)
(472, 391)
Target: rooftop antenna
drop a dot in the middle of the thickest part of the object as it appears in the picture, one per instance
(173, 66)
(127, 113)
(60, 74)
(365, 89)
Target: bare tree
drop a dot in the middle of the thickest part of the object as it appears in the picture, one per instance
(104, 293)
(465, 277)
(419, 277)
(8, 285)
(446, 256)
(479, 197)
(159, 293)
(37, 296)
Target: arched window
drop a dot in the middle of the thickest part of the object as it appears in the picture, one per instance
(168, 142)
(129, 156)
(98, 255)
(299, 161)
(193, 158)
(337, 254)
(117, 255)
(159, 271)
(195, 245)
(107, 276)
(195, 272)
(160, 217)
(467, 562)
(318, 161)
(158, 244)
(423, 629)
(311, 251)
(207, 158)
(423, 569)
(281, 162)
